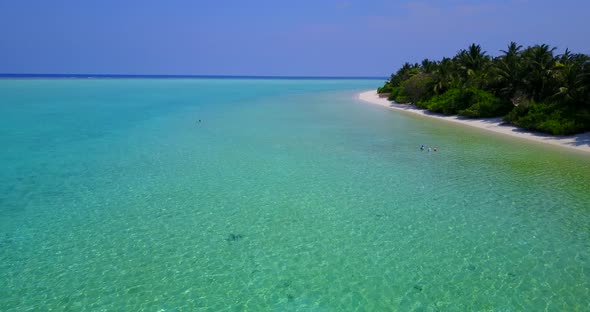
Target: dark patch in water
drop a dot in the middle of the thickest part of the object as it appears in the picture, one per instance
(5, 241)
(471, 267)
(286, 284)
(511, 274)
(418, 287)
(234, 237)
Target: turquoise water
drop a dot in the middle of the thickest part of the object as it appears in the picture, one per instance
(289, 195)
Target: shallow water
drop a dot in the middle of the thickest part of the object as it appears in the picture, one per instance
(289, 195)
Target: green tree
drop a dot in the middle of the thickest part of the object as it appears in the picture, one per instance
(418, 87)
(572, 79)
(531, 88)
(471, 63)
(427, 66)
(444, 76)
(508, 70)
(538, 72)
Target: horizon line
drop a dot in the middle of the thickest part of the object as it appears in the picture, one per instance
(31, 75)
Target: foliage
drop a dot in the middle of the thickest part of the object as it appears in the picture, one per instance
(448, 103)
(418, 87)
(549, 118)
(385, 89)
(483, 104)
(399, 95)
(532, 87)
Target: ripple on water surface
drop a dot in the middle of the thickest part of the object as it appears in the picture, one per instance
(290, 200)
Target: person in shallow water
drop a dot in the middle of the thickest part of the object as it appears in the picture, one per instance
(422, 147)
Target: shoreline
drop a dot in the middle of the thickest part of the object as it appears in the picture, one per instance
(579, 142)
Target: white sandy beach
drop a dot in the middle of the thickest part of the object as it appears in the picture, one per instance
(579, 142)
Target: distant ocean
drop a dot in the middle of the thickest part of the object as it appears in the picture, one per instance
(276, 195)
(103, 76)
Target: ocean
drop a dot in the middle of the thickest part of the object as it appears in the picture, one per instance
(276, 195)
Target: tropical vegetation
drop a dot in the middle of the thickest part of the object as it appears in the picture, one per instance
(533, 88)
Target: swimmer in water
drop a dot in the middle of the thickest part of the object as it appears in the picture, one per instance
(422, 147)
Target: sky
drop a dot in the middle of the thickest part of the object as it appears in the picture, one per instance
(272, 38)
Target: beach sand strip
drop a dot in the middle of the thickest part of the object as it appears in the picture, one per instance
(580, 142)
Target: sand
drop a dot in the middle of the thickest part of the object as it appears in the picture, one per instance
(580, 142)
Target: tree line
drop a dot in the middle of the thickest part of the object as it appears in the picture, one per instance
(532, 88)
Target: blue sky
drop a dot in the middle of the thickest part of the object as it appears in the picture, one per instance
(286, 38)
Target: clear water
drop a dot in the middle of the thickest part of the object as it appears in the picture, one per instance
(289, 195)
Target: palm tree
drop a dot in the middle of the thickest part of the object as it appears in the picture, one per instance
(428, 66)
(473, 58)
(508, 69)
(472, 62)
(573, 78)
(538, 71)
(443, 76)
(513, 52)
